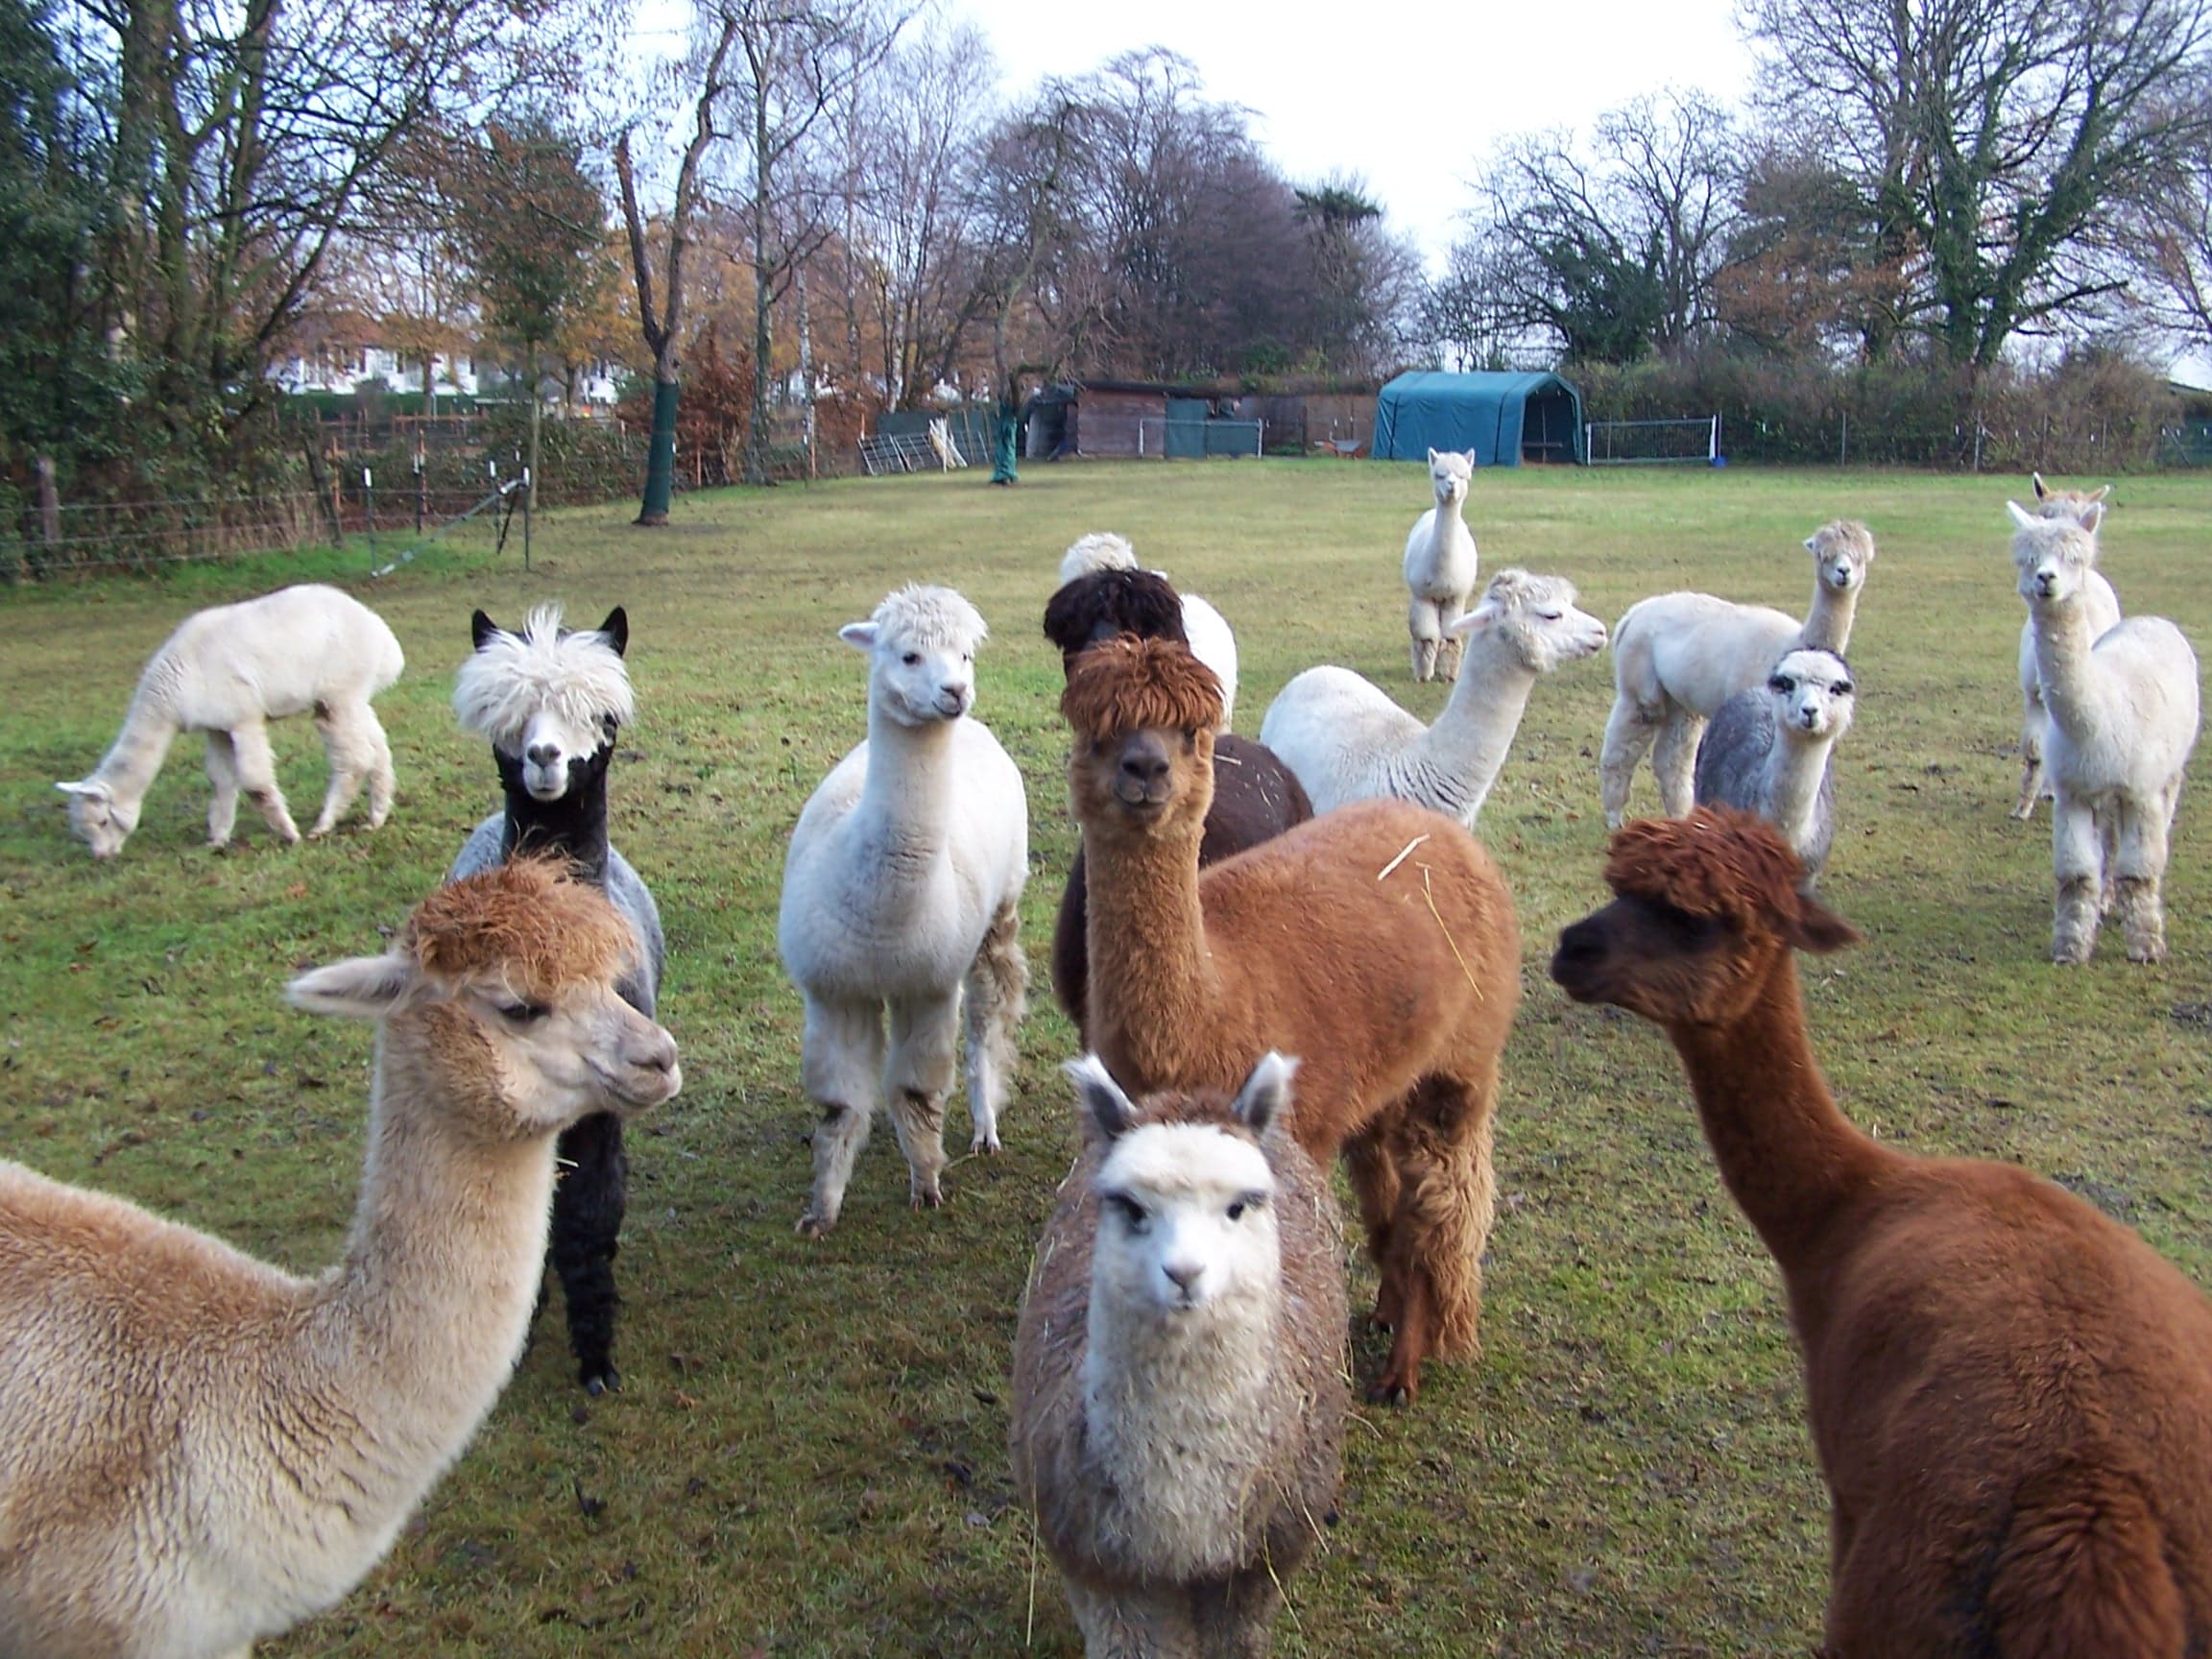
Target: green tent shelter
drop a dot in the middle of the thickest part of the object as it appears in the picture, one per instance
(1504, 419)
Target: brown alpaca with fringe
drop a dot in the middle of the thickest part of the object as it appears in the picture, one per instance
(1376, 943)
(2011, 1395)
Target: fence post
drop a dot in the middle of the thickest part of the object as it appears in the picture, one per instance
(422, 486)
(529, 494)
(1844, 448)
(368, 509)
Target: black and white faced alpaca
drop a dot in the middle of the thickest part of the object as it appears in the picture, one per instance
(550, 700)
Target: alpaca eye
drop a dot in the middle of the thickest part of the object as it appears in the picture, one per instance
(1551, 615)
(523, 1013)
(912, 659)
(1779, 684)
(1841, 688)
(1249, 1201)
(1132, 1212)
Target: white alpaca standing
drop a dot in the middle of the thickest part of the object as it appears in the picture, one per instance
(1770, 752)
(228, 671)
(2122, 719)
(1179, 1372)
(2102, 606)
(201, 1450)
(899, 894)
(1441, 566)
(1204, 628)
(1345, 740)
(1678, 657)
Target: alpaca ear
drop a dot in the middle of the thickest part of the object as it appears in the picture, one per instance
(1431, 457)
(1475, 620)
(615, 630)
(85, 787)
(1472, 463)
(2100, 492)
(1111, 1111)
(1265, 1098)
(481, 629)
(2020, 516)
(2091, 515)
(359, 988)
(2042, 490)
(861, 636)
(1819, 930)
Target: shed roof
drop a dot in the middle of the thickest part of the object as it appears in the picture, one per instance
(1485, 412)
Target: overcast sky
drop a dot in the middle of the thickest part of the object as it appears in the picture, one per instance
(1411, 97)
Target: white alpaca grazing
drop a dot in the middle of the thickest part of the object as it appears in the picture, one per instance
(1678, 657)
(201, 1450)
(899, 894)
(1204, 628)
(1441, 566)
(1344, 739)
(2122, 719)
(1179, 1372)
(2102, 606)
(1768, 750)
(228, 671)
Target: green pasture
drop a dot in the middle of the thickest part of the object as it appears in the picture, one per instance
(810, 1453)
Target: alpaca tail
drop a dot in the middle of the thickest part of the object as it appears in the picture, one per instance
(996, 996)
(2083, 1569)
(1446, 1202)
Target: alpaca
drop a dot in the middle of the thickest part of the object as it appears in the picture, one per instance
(1254, 795)
(1206, 628)
(2122, 719)
(1678, 657)
(900, 892)
(202, 1450)
(1379, 939)
(1346, 740)
(1179, 1372)
(2011, 1395)
(2102, 606)
(1441, 566)
(1771, 752)
(229, 670)
(550, 701)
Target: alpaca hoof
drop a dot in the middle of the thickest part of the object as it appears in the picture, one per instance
(1390, 1390)
(2153, 952)
(814, 1226)
(318, 831)
(985, 1144)
(2023, 812)
(926, 1198)
(603, 1382)
(377, 819)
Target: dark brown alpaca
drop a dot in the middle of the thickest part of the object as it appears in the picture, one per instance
(1377, 943)
(2011, 1395)
(1256, 797)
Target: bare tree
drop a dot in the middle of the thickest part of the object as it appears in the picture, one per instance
(1995, 141)
(2169, 235)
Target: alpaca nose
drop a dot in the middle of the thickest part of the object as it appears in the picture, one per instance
(1185, 1275)
(2046, 582)
(1144, 766)
(543, 755)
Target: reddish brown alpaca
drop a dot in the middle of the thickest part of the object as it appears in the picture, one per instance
(2011, 1395)
(1376, 943)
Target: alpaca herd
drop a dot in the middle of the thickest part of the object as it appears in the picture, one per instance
(1275, 953)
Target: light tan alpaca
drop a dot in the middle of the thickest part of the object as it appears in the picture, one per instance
(201, 1450)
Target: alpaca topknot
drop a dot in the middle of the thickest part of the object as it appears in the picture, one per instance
(512, 677)
(931, 616)
(530, 920)
(1140, 602)
(1100, 550)
(1127, 684)
(1718, 863)
(2065, 537)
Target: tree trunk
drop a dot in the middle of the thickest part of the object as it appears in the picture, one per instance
(661, 448)
(535, 411)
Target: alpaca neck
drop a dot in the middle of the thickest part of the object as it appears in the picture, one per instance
(574, 826)
(414, 1332)
(132, 759)
(1828, 624)
(1153, 979)
(1472, 736)
(902, 824)
(1794, 768)
(2064, 640)
(1791, 1160)
(1180, 1413)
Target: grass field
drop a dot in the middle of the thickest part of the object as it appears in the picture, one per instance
(810, 1453)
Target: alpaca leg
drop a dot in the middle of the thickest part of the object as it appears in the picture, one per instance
(257, 777)
(1628, 734)
(351, 755)
(588, 1202)
(2140, 860)
(841, 1060)
(1445, 1209)
(2031, 757)
(2075, 858)
(1131, 1624)
(1369, 1164)
(1455, 645)
(997, 990)
(2108, 857)
(1674, 760)
(383, 783)
(1235, 1619)
(223, 773)
(919, 1079)
(1428, 631)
